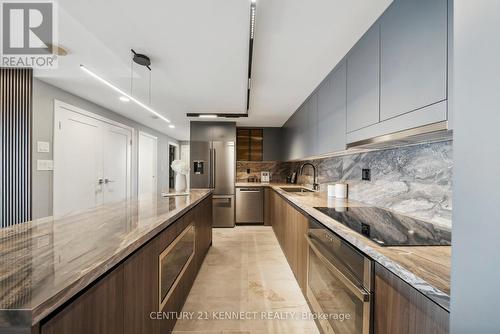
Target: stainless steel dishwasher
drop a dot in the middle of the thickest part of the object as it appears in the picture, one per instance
(250, 205)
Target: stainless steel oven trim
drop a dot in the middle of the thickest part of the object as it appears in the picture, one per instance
(162, 302)
(359, 292)
(325, 325)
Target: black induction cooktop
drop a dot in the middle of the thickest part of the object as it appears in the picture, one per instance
(387, 228)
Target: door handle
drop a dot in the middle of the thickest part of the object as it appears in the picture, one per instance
(213, 171)
(249, 190)
(108, 181)
(100, 181)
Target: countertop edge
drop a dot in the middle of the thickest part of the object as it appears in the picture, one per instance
(50, 305)
(437, 296)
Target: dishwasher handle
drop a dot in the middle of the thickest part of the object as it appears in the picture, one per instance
(249, 190)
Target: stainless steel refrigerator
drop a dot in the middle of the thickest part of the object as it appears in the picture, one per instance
(213, 165)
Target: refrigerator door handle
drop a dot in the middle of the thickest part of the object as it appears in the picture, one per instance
(214, 167)
(210, 172)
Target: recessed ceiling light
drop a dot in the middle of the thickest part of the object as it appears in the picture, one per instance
(171, 126)
(207, 116)
(121, 92)
(124, 99)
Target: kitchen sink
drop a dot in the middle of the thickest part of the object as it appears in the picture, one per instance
(296, 190)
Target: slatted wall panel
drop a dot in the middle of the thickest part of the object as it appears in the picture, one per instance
(15, 135)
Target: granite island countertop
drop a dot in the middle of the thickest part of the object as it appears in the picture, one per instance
(47, 261)
(426, 268)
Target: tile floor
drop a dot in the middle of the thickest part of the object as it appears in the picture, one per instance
(245, 286)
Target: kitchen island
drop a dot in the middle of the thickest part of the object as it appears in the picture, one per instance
(59, 271)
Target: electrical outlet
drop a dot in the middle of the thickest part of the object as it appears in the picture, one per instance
(366, 174)
(43, 146)
(45, 165)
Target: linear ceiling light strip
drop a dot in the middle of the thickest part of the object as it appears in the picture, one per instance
(118, 90)
(253, 10)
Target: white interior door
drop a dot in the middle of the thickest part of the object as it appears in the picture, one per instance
(77, 162)
(92, 159)
(117, 142)
(148, 148)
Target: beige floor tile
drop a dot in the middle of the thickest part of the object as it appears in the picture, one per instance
(243, 286)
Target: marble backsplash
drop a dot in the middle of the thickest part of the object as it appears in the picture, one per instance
(246, 170)
(414, 180)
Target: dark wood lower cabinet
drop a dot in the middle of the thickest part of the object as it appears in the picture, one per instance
(399, 308)
(267, 206)
(99, 310)
(290, 227)
(126, 300)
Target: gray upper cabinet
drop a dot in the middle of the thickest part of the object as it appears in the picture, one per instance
(332, 112)
(213, 131)
(413, 56)
(273, 138)
(294, 136)
(312, 126)
(363, 73)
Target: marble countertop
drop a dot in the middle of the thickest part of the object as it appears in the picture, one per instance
(47, 261)
(263, 184)
(426, 268)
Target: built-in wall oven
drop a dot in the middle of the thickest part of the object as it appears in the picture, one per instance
(339, 283)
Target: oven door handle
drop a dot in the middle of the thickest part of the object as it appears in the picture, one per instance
(359, 292)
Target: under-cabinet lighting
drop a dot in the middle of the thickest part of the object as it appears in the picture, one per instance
(207, 116)
(171, 126)
(110, 85)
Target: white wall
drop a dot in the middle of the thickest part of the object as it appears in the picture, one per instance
(475, 278)
(43, 130)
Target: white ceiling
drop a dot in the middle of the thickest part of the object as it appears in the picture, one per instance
(199, 54)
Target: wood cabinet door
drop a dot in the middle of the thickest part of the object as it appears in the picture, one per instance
(242, 144)
(268, 207)
(99, 310)
(413, 56)
(399, 308)
(363, 73)
(249, 144)
(203, 222)
(290, 227)
(256, 144)
(141, 290)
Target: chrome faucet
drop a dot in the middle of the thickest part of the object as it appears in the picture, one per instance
(315, 184)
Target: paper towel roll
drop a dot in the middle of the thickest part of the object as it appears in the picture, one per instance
(331, 190)
(340, 190)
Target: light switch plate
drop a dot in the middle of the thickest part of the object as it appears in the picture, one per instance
(43, 146)
(45, 164)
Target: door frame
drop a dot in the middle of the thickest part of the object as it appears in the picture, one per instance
(145, 134)
(177, 156)
(60, 105)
